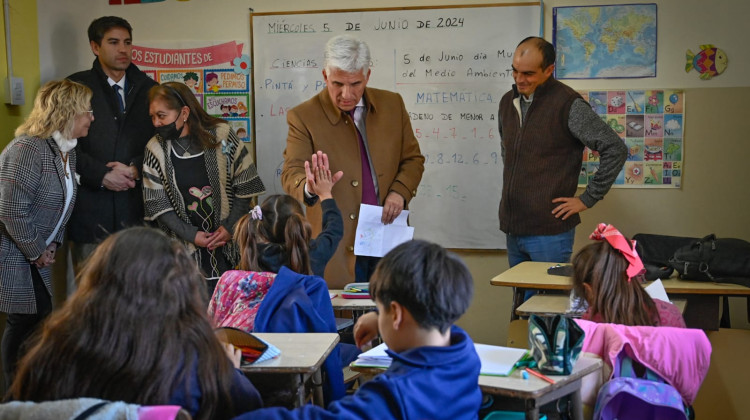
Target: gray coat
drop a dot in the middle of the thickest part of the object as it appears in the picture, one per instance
(32, 199)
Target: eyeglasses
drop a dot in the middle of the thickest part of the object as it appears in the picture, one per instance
(90, 113)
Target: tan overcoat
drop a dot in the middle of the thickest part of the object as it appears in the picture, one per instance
(317, 124)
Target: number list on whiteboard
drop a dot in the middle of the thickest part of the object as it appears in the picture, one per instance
(450, 65)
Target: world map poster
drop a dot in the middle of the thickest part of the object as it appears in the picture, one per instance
(650, 122)
(599, 42)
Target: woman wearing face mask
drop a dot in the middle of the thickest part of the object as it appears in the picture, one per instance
(198, 178)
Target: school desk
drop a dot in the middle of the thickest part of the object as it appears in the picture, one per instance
(355, 305)
(528, 395)
(550, 305)
(302, 355)
(701, 311)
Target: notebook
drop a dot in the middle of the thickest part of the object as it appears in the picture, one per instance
(356, 291)
(253, 348)
(496, 360)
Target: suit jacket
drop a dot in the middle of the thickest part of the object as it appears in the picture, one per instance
(113, 136)
(32, 199)
(318, 124)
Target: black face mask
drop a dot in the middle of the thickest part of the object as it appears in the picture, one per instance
(170, 131)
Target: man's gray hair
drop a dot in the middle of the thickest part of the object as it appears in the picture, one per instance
(348, 54)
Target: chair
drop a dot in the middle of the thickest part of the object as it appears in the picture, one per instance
(89, 409)
(680, 356)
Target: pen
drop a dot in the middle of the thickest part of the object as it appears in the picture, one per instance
(540, 376)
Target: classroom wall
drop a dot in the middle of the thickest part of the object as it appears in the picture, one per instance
(24, 46)
(713, 198)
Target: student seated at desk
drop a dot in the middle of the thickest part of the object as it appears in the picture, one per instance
(420, 290)
(273, 235)
(136, 331)
(279, 285)
(608, 274)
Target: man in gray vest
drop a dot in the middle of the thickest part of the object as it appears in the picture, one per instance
(544, 126)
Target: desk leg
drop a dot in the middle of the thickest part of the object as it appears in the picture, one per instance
(298, 382)
(577, 403)
(532, 413)
(317, 383)
(517, 301)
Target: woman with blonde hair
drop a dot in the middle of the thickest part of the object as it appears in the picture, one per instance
(198, 178)
(136, 331)
(37, 193)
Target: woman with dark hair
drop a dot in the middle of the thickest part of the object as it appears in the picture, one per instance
(136, 331)
(37, 193)
(198, 178)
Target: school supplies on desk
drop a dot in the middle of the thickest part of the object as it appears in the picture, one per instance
(539, 375)
(560, 270)
(496, 360)
(254, 349)
(356, 291)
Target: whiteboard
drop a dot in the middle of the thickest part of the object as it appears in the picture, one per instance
(451, 65)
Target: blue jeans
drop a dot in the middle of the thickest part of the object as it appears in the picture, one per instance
(547, 248)
(364, 267)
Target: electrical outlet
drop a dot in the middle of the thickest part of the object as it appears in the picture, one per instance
(15, 94)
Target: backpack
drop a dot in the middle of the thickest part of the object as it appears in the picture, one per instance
(656, 251)
(725, 260)
(626, 396)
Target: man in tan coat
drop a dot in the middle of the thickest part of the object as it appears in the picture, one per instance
(367, 135)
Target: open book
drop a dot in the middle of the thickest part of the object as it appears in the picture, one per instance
(496, 360)
(253, 348)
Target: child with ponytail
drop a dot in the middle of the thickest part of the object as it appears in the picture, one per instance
(273, 235)
(277, 233)
(608, 274)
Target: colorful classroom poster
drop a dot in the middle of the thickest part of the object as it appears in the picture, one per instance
(650, 122)
(218, 75)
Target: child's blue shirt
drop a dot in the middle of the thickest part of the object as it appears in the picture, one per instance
(422, 383)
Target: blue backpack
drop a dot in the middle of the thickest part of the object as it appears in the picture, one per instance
(627, 396)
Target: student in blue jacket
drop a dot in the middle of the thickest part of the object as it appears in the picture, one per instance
(419, 289)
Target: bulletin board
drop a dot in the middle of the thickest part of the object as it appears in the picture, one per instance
(450, 64)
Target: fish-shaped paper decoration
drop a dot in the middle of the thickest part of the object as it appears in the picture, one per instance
(709, 62)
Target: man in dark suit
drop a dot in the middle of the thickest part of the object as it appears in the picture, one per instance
(110, 158)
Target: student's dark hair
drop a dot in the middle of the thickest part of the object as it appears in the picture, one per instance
(434, 285)
(546, 48)
(100, 26)
(176, 95)
(134, 330)
(613, 298)
(283, 225)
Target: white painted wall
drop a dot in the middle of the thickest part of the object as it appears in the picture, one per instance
(683, 24)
